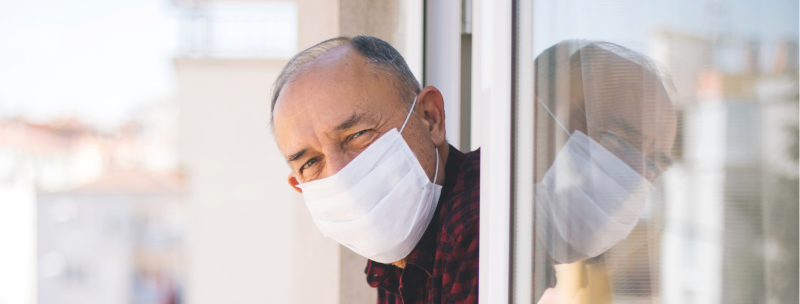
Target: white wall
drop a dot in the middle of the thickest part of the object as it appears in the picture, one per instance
(443, 61)
(242, 211)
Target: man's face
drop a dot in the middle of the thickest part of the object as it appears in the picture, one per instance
(337, 105)
(629, 112)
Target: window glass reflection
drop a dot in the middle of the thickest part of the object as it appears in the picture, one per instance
(666, 150)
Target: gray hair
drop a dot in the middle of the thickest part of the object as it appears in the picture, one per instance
(379, 54)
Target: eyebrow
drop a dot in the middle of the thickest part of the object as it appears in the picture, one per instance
(665, 159)
(629, 128)
(296, 156)
(350, 122)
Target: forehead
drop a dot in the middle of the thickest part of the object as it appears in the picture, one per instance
(327, 91)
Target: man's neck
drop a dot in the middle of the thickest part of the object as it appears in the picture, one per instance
(400, 263)
(444, 153)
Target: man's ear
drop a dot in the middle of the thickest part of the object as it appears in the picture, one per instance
(431, 109)
(293, 182)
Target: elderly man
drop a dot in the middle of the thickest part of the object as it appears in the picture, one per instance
(606, 128)
(368, 151)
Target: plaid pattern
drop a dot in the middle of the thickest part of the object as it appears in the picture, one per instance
(443, 267)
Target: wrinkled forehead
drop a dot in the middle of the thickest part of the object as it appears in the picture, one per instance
(327, 91)
(599, 90)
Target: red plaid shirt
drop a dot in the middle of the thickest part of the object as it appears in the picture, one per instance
(443, 267)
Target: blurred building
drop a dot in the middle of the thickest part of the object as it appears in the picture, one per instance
(722, 199)
(37, 159)
(119, 239)
(715, 230)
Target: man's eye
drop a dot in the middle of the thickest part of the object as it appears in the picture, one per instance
(308, 164)
(654, 170)
(357, 134)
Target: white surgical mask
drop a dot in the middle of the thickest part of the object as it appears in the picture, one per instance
(379, 204)
(588, 200)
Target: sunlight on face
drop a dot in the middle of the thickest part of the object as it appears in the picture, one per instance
(332, 110)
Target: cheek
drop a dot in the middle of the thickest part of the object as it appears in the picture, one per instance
(663, 142)
(422, 146)
(335, 158)
(415, 141)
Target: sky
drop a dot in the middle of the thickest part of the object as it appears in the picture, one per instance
(631, 22)
(98, 59)
(93, 59)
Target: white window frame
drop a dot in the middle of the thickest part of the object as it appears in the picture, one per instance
(491, 130)
(443, 60)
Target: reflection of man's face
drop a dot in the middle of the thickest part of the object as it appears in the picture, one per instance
(334, 109)
(648, 163)
(624, 107)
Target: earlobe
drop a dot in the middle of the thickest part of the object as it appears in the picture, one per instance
(293, 182)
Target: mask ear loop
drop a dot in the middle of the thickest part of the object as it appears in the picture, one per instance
(553, 116)
(436, 173)
(409, 114)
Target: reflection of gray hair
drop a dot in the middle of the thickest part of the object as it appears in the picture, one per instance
(379, 54)
(574, 53)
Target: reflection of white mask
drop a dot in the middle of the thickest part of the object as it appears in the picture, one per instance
(379, 204)
(588, 200)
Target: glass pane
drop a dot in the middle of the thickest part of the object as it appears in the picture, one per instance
(665, 155)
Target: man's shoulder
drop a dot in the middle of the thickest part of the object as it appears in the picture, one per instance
(462, 208)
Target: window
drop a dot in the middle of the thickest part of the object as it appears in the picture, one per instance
(654, 151)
